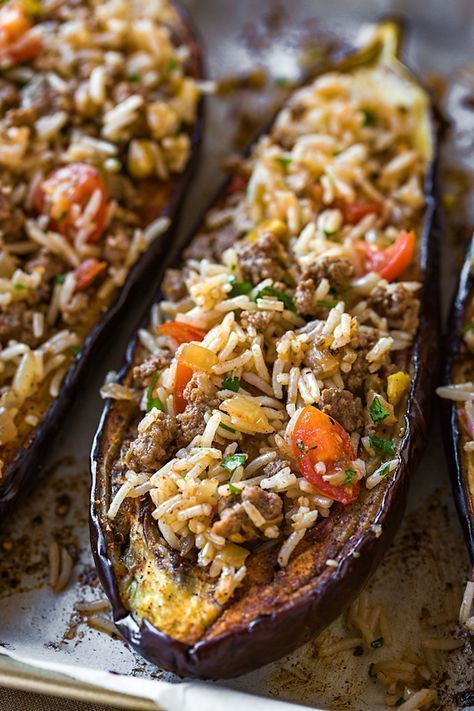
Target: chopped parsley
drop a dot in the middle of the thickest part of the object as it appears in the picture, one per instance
(467, 329)
(370, 118)
(132, 78)
(326, 303)
(239, 287)
(234, 490)
(303, 449)
(231, 384)
(172, 64)
(74, 350)
(378, 412)
(63, 215)
(280, 295)
(350, 474)
(233, 462)
(20, 287)
(377, 643)
(284, 161)
(383, 470)
(283, 81)
(59, 278)
(329, 233)
(226, 427)
(151, 401)
(382, 445)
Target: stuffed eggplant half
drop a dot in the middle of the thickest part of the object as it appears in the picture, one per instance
(99, 128)
(458, 415)
(252, 462)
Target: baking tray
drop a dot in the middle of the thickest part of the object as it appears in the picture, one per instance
(428, 556)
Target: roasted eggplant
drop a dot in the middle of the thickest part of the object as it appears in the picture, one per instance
(101, 125)
(458, 412)
(214, 568)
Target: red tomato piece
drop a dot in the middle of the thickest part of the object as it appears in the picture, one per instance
(65, 194)
(87, 272)
(18, 43)
(183, 375)
(319, 438)
(181, 332)
(237, 184)
(389, 263)
(354, 212)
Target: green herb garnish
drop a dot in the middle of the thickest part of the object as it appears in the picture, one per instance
(63, 215)
(132, 78)
(466, 329)
(74, 350)
(231, 384)
(233, 461)
(234, 490)
(226, 427)
(382, 445)
(282, 81)
(370, 118)
(350, 474)
(239, 287)
(19, 287)
(326, 303)
(59, 278)
(400, 701)
(378, 412)
(377, 643)
(284, 161)
(151, 401)
(172, 64)
(280, 295)
(383, 470)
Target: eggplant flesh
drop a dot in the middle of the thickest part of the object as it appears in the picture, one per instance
(459, 369)
(163, 607)
(24, 456)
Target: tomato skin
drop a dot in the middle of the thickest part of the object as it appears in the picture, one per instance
(238, 184)
(181, 332)
(356, 211)
(72, 186)
(389, 263)
(17, 42)
(319, 438)
(183, 375)
(87, 272)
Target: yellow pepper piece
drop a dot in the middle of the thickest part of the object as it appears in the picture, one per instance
(278, 228)
(397, 385)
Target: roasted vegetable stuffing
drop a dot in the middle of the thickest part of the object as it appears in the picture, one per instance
(299, 299)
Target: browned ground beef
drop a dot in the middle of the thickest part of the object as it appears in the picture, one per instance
(152, 447)
(337, 270)
(304, 297)
(16, 324)
(397, 305)
(263, 259)
(116, 247)
(355, 379)
(200, 397)
(234, 522)
(73, 313)
(344, 407)
(143, 373)
(275, 466)
(258, 319)
(49, 264)
(11, 218)
(173, 286)
(210, 245)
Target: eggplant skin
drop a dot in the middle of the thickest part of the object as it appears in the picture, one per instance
(25, 467)
(450, 423)
(273, 614)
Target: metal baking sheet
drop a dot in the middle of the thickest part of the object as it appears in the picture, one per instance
(428, 556)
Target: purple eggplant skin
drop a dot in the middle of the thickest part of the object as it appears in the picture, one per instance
(27, 465)
(450, 421)
(301, 601)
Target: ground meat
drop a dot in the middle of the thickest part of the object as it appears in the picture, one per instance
(143, 373)
(74, 311)
(268, 504)
(398, 305)
(199, 394)
(173, 286)
(344, 407)
(21, 117)
(263, 259)
(210, 245)
(355, 379)
(304, 297)
(275, 466)
(150, 449)
(11, 218)
(337, 270)
(49, 264)
(258, 319)
(16, 323)
(116, 248)
(9, 96)
(234, 522)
